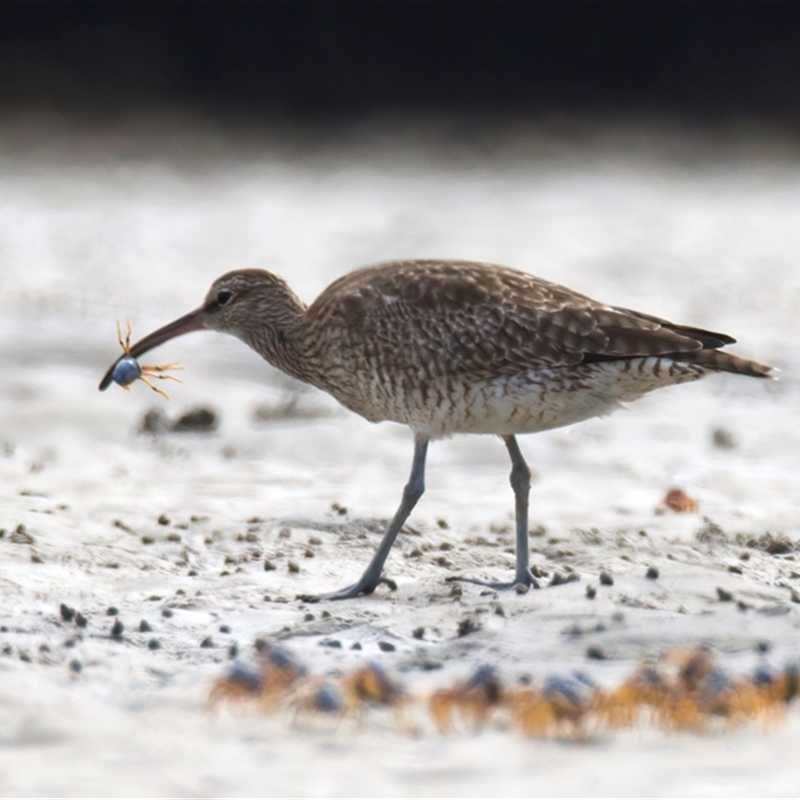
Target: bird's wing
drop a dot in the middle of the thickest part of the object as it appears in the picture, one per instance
(485, 320)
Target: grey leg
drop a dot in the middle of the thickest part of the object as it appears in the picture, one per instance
(521, 484)
(411, 494)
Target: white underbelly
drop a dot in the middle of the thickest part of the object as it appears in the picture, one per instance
(538, 400)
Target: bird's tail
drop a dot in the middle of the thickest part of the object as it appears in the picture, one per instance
(726, 362)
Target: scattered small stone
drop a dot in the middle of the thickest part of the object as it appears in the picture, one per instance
(386, 647)
(25, 657)
(574, 630)
(335, 643)
(326, 615)
(308, 553)
(652, 573)
(67, 613)
(75, 666)
(285, 533)
(154, 644)
(742, 606)
(595, 652)
(558, 579)
(20, 535)
(207, 642)
(269, 566)
(723, 439)
(44, 648)
(418, 633)
(522, 588)
(145, 627)
(774, 545)
(744, 556)
(308, 617)
(117, 629)
(148, 540)
(341, 510)
(591, 592)
(192, 573)
(355, 646)
(606, 579)
(735, 568)
(166, 612)
(293, 567)
(197, 420)
(7, 650)
(173, 537)
(261, 645)
(794, 595)
(456, 590)
(233, 651)
(468, 625)
(763, 647)
(112, 611)
(774, 610)
(36, 558)
(499, 610)
(723, 595)
(163, 520)
(224, 629)
(154, 421)
(80, 620)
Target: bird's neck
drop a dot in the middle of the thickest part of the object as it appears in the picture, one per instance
(278, 339)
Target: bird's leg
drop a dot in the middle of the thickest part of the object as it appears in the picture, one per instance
(411, 494)
(521, 484)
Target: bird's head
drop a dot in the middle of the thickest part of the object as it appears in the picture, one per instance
(254, 305)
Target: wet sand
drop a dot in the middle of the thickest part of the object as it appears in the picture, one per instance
(134, 221)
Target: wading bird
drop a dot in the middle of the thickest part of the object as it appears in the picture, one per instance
(456, 347)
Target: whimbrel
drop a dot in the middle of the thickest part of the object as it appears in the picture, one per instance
(456, 347)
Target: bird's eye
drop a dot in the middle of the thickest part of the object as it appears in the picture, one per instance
(224, 297)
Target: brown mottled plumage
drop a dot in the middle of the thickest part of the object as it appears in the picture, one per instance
(457, 347)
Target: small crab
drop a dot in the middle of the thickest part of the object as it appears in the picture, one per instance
(240, 683)
(561, 707)
(128, 369)
(316, 704)
(370, 686)
(280, 671)
(473, 700)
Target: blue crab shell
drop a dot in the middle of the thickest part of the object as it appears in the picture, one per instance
(126, 371)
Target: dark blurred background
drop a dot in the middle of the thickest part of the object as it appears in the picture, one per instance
(322, 58)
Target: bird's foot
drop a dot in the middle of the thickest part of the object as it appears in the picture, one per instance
(357, 589)
(521, 583)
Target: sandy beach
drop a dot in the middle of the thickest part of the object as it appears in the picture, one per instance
(133, 221)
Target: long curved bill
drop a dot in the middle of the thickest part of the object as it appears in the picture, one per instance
(193, 321)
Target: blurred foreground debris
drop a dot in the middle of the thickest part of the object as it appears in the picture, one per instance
(684, 689)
